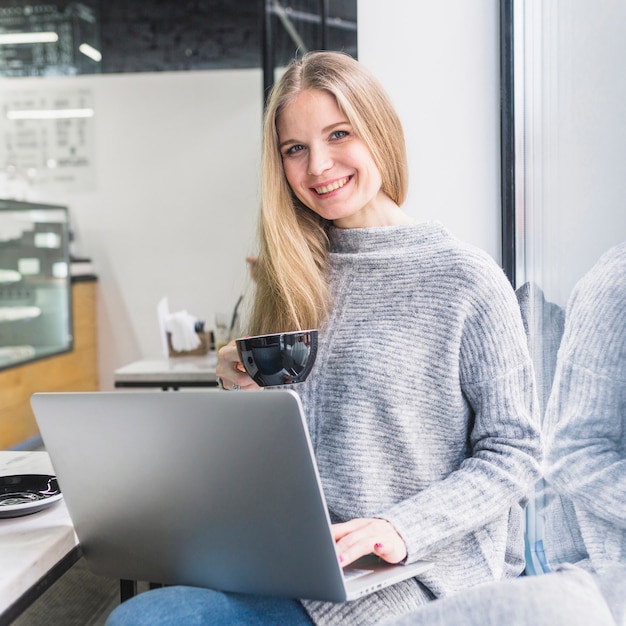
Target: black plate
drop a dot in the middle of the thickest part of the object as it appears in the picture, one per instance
(24, 494)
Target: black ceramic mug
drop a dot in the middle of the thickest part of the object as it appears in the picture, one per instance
(279, 358)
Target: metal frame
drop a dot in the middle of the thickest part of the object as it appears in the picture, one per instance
(513, 131)
(507, 140)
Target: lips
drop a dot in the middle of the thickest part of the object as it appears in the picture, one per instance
(326, 189)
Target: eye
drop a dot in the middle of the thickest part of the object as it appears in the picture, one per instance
(339, 134)
(291, 150)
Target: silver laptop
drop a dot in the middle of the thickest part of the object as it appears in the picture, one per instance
(202, 488)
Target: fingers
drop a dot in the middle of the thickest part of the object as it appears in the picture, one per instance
(359, 537)
(230, 369)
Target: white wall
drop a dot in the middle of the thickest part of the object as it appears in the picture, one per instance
(177, 159)
(439, 63)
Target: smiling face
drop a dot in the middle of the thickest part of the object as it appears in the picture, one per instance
(328, 167)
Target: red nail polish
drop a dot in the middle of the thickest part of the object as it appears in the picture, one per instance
(378, 546)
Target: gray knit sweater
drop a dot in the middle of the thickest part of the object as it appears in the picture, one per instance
(586, 423)
(422, 410)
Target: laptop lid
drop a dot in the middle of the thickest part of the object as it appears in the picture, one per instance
(201, 488)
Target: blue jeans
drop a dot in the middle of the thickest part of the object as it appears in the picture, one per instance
(192, 606)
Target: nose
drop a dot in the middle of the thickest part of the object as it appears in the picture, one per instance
(320, 160)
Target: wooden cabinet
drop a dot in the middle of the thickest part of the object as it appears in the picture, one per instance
(73, 371)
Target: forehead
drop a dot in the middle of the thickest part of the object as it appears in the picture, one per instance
(310, 110)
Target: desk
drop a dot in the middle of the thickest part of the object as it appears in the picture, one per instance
(169, 373)
(35, 549)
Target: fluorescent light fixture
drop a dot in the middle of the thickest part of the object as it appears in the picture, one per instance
(49, 114)
(7, 39)
(90, 52)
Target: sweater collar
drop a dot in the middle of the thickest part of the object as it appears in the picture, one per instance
(352, 240)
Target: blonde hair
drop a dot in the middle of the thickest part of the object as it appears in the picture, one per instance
(292, 289)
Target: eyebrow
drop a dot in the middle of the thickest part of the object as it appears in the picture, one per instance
(325, 130)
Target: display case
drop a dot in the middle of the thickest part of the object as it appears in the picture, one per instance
(35, 290)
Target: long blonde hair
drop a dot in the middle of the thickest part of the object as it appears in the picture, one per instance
(292, 289)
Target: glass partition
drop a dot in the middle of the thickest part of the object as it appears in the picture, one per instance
(564, 199)
(35, 290)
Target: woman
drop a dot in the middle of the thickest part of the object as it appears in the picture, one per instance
(421, 405)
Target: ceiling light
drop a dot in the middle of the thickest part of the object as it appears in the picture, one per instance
(39, 37)
(90, 52)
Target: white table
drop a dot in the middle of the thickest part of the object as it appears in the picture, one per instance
(168, 373)
(36, 549)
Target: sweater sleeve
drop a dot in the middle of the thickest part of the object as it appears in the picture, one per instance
(504, 445)
(586, 412)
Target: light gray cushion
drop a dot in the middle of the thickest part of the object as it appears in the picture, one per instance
(567, 597)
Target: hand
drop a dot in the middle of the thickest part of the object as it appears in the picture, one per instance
(359, 537)
(230, 369)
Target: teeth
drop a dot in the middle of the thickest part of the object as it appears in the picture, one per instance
(328, 188)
